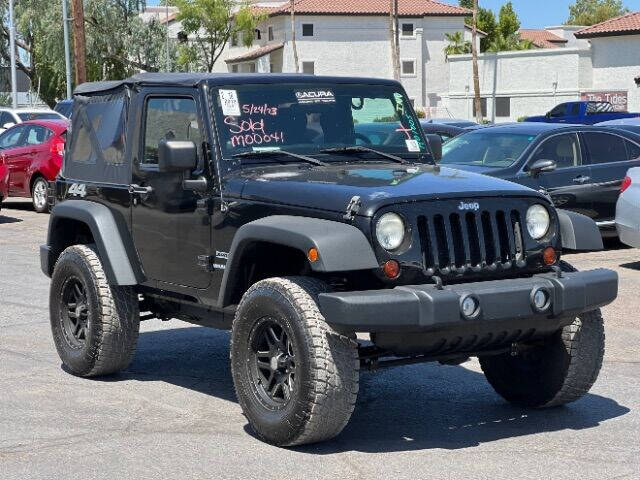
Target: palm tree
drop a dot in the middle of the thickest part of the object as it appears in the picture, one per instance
(457, 44)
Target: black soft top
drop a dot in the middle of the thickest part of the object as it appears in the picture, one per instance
(194, 79)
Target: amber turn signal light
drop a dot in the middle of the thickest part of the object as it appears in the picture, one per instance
(312, 255)
(549, 256)
(391, 269)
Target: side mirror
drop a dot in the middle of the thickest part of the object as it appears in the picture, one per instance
(435, 144)
(177, 156)
(8, 125)
(540, 166)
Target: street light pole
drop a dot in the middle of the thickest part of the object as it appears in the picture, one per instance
(67, 54)
(12, 47)
(167, 20)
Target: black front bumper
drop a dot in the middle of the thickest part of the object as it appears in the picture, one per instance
(424, 308)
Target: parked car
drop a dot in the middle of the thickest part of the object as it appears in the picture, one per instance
(628, 209)
(4, 182)
(455, 122)
(584, 113)
(10, 116)
(64, 107)
(444, 131)
(33, 152)
(581, 167)
(298, 246)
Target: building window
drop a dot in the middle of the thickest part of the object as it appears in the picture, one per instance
(483, 104)
(408, 67)
(503, 107)
(234, 40)
(307, 29)
(271, 68)
(407, 29)
(234, 68)
(270, 33)
(258, 34)
(252, 68)
(309, 68)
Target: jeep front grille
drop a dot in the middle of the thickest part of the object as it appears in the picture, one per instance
(461, 242)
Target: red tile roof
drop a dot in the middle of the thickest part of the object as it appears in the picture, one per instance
(542, 38)
(628, 24)
(256, 53)
(407, 8)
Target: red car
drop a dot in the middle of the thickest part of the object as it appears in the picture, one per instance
(32, 152)
(4, 182)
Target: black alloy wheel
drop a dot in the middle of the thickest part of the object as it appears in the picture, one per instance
(74, 312)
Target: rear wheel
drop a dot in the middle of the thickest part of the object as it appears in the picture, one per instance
(295, 377)
(39, 195)
(94, 324)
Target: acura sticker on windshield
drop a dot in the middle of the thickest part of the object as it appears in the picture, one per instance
(315, 96)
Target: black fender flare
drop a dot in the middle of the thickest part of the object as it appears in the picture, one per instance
(120, 264)
(578, 232)
(341, 247)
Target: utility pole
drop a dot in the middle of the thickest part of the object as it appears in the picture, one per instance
(67, 53)
(79, 41)
(167, 21)
(296, 62)
(12, 47)
(474, 55)
(393, 32)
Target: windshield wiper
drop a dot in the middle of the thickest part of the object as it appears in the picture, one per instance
(275, 153)
(355, 149)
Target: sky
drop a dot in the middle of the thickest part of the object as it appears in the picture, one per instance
(532, 13)
(541, 13)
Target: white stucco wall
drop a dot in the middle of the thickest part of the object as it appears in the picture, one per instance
(616, 62)
(535, 80)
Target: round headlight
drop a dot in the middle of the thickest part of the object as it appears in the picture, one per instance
(538, 221)
(390, 231)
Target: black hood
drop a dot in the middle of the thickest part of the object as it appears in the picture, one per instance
(332, 187)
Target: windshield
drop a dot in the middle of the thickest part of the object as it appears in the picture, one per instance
(25, 116)
(486, 149)
(309, 118)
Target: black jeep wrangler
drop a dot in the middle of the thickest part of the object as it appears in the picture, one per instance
(298, 212)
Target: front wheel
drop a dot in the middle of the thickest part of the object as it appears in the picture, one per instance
(560, 370)
(39, 195)
(296, 378)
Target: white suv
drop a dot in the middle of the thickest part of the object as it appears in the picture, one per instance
(10, 116)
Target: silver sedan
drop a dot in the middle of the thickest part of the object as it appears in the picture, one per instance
(628, 209)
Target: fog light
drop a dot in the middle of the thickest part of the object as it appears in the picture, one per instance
(540, 299)
(391, 269)
(469, 306)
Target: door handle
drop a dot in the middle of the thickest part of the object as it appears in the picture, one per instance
(581, 179)
(140, 190)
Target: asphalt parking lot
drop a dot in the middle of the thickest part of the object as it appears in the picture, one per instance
(173, 413)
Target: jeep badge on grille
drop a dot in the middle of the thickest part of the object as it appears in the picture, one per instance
(475, 206)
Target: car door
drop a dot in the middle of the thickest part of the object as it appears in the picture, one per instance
(610, 155)
(35, 153)
(569, 185)
(12, 151)
(557, 114)
(171, 231)
(572, 114)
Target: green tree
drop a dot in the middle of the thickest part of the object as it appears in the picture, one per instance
(486, 22)
(590, 12)
(209, 25)
(508, 23)
(457, 44)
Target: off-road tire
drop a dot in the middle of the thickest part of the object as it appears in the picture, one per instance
(560, 371)
(327, 364)
(36, 192)
(112, 316)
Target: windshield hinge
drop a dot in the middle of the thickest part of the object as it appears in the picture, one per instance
(352, 208)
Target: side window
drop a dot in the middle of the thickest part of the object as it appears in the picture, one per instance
(5, 117)
(633, 150)
(605, 148)
(562, 149)
(36, 135)
(558, 111)
(11, 137)
(575, 109)
(169, 119)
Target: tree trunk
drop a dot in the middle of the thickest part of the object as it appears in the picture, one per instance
(296, 62)
(474, 54)
(393, 33)
(79, 41)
